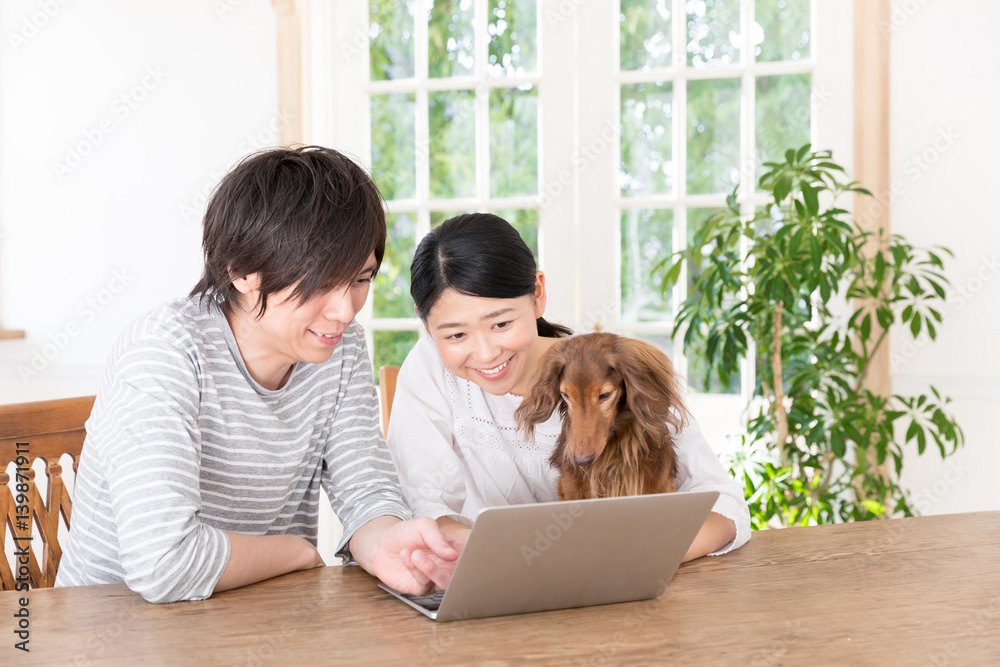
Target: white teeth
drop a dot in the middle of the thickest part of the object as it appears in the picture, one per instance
(494, 371)
(325, 335)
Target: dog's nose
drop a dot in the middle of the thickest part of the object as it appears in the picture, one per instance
(583, 460)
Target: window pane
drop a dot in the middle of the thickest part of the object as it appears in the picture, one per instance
(390, 29)
(662, 341)
(646, 239)
(697, 365)
(782, 30)
(783, 115)
(513, 142)
(713, 32)
(525, 221)
(394, 145)
(647, 165)
(391, 347)
(713, 135)
(452, 117)
(437, 217)
(392, 284)
(450, 38)
(512, 29)
(645, 34)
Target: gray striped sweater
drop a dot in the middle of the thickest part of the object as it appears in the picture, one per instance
(183, 444)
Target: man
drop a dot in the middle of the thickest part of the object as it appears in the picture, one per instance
(220, 416)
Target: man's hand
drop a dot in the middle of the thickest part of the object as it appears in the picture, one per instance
(411, 556)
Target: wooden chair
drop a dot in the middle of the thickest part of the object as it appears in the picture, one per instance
(387, 389)
(29, 431)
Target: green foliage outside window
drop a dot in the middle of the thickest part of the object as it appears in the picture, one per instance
(450, 154)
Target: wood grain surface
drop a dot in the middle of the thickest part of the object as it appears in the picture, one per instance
(923, 591)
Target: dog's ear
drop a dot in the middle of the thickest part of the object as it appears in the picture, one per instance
(652, 390)
(544, 397)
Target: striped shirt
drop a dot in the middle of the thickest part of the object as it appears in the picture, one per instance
(183, 444)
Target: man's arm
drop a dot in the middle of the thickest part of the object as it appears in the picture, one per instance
(254, 558)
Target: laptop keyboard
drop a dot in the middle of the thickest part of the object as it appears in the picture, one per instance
(431, 602)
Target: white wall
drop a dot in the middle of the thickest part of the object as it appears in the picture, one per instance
(116, 119)
(83, 254)
(945, 137)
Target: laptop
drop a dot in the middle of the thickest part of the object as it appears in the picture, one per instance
(558, 555)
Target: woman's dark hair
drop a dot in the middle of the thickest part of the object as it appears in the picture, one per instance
(478, 254)
(306, 216)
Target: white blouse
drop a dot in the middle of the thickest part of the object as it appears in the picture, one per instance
(457, 450)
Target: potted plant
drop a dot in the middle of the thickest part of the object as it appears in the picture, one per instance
(810, 297)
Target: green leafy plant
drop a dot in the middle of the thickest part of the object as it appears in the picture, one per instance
(810, 297)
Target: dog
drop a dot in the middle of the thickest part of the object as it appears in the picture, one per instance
(617, 397)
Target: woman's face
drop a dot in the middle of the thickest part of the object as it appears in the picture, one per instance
(490, 342)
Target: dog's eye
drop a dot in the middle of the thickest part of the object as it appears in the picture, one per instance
(605, 396)
(564, 396)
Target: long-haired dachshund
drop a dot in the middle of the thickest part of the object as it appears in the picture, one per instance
(617, 397)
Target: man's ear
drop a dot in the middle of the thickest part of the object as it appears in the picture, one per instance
(246, 284)
(539, 296)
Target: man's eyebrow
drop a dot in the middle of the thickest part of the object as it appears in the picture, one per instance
(487, 316)
(368, 269)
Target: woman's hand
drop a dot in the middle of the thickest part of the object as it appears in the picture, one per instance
(413, 556)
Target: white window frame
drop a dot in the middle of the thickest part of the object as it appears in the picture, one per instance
(579, 202)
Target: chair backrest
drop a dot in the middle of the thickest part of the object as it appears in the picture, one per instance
(29, 431)
(387, 389)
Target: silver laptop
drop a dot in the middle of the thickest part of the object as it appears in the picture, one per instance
(525, 558)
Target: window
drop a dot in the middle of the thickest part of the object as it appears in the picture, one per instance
(604, 131)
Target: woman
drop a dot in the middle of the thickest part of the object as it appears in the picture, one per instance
(453, 434)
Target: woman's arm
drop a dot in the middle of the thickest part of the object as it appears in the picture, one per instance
(699, 469)
(715, 533)
(451, 527)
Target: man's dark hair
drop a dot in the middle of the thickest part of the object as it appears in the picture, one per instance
(478, 254)
(307, 216)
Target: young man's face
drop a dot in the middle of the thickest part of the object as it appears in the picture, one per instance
(290, 331)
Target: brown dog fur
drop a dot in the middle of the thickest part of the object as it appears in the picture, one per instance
(616, 395)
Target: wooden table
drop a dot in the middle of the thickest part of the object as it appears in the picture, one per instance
(920, 591)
